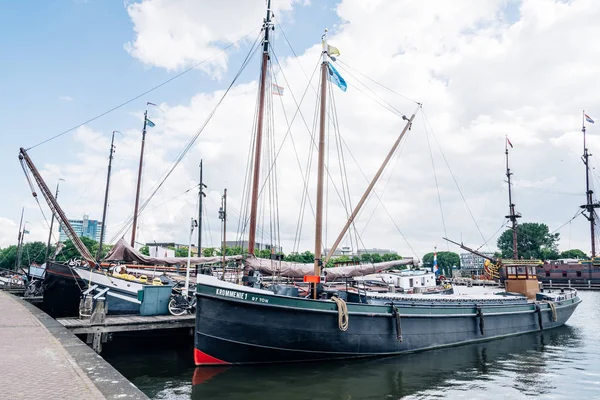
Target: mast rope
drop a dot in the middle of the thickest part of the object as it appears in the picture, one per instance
(382, 102)
(577, 214)
(377, 83)
(454, 178)
(224, 49)
(437, 186)
(191, 141)
(378, 197)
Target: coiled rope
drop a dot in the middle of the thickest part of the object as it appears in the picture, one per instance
(343, 316)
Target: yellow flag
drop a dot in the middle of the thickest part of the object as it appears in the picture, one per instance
(333, 51)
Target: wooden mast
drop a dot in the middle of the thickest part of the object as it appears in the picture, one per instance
(321, 166)
(139, 181)
(267, 26)
(590, 205)
(201, 194)
(512, 216)
(371, 185)
(103, 229)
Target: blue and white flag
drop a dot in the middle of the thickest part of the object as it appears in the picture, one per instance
(150, 123)
(336, 78)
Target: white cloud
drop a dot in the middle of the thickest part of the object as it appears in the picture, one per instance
(65, 98)
(480, 76)
(173, 34)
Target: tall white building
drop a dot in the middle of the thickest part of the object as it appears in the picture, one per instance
(85, 227)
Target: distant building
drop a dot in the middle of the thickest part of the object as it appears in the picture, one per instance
(167, 249)
(473, 263)
(257, 246)
(347, 251)
(89, 228)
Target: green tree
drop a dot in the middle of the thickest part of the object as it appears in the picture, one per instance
(376, 258)
(181, 252)
(145, 250)
(534, 241)
(208, 252)
(70, 252)
(574, 253)
(8, 256)
(390, 257)
(365, 258)
(445, 259)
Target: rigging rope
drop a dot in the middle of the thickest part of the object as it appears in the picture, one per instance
(377, 83)
(146, 92)
(454, 178)
(192, 140)
(437, 187)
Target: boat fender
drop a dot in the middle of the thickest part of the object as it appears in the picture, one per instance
(396, 316)
(343, 316)
(481, 321)
(553, 308)
(538, 310)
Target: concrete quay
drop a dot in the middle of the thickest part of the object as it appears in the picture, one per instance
(41, 359)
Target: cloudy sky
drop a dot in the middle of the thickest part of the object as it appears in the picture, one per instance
(482, 70)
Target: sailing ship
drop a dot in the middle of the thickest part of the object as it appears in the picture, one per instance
(237, 324)
(571, 271)
(124, 275)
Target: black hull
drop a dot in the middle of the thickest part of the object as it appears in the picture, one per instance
(62, 291)
(237, 331)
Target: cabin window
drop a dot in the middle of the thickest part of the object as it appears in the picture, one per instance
(547, 273)
(579, 274)
(520, 270)
(531, 271)
(511, 270)
(410, 282)
(423, 281)
(564, 274)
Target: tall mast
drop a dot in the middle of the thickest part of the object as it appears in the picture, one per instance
(267, 26)
(371, 185)
(512, 216)
(53, 204)
(590, 205)
(110, 158)
(201, 194)
(19, 236)
(223, 216)
(321, 165)
(51, 224)
(139, 181)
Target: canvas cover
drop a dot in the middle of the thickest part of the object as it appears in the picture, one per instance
(298, 270)
(122, 251)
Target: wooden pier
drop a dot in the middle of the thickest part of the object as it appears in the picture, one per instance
(97, 332)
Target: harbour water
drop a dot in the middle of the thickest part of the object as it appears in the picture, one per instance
(563, 363)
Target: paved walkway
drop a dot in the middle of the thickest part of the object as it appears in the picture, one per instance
(33, 363)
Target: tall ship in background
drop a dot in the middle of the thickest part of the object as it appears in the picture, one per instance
(573, 271)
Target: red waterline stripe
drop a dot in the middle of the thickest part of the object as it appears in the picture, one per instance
(201, 358)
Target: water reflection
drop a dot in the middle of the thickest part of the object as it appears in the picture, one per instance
(563, 363)
(518, 361)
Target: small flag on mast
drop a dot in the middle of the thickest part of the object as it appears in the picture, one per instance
(509, 143)
(336, 78)
(277, 90)
(332, 51)
(588, 118)
(435, 264)
(150, 123)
